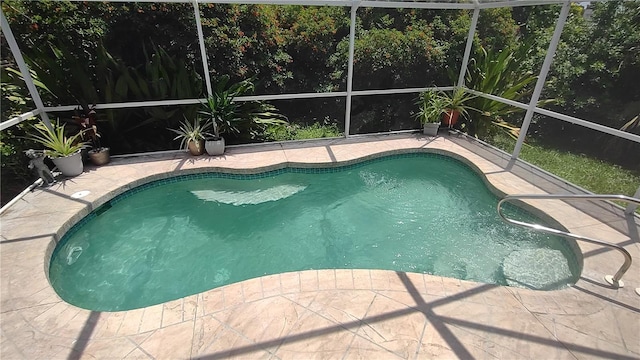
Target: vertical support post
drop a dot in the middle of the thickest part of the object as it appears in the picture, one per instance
(467, 50)
(632, 207)
(352, 45)
(22, 66)
(553, 45)
(203, 50)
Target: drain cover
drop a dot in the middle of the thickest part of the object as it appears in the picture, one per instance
(80, 194)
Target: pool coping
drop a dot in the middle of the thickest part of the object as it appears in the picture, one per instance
(29, 305)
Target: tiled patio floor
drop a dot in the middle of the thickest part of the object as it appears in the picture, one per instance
(341, 314)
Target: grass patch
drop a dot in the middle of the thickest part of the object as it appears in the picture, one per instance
(595, 175)
(299, 132)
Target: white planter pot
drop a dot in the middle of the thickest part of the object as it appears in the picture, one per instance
(69, 165)
(214, 147)
(431, 129)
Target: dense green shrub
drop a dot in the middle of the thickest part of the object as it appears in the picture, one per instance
(312, 35)
(246, 41)
(301, 132)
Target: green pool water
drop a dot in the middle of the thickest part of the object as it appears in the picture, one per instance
(420, 213)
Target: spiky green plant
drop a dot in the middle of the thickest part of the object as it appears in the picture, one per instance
(504, 74)
(431, 106)
(229, 116)
(459, 100)
(188, 132)
(58, 144)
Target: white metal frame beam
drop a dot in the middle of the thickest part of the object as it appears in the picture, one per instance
(18, 119)
(469, 46)
(542, 77)
(203, 50)
(632, 207)
(589, 124)
(352, 45)
(22, 66)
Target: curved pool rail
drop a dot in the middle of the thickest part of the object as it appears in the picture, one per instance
(616, 280)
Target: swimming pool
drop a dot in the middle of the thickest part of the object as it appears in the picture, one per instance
(413, 212)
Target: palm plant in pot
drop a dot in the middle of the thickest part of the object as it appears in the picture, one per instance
(456, 106)
(222, 112)
(237, 118)
(218, 110)
(192, 136)
(431, 106)
(63, 150)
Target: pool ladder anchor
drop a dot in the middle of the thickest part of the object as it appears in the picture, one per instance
(616, 280)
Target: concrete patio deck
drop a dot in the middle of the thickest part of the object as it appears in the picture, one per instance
(342, 314)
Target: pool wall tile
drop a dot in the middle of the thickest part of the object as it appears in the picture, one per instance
(417, 281)
(344, 280)
(212, 301)
(361, 279)
(290, 283)
(309, 281)
(434, 285)
(172, 312)
(151, 318)
(190, 307)
(233, 295)
(252, 290)
(326, 279)
(271, 285)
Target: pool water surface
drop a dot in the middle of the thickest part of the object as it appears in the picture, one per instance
(422, 213)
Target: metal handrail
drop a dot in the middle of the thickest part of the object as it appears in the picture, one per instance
(615, 280)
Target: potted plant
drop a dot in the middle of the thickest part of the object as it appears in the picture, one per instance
(192, 136)
(98, 154)
(216, 110)
(63, 150)
(455, 106)
(222, 112)
(431, 106)
(236, 118)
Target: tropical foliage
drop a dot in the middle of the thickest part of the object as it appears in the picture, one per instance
(58, 144)
(504, 74)
(431, 106)
(191, 132)
(238, 118)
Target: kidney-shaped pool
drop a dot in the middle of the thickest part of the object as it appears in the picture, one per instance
(416, 212)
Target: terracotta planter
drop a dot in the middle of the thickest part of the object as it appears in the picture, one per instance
(70, 165)
(430, 129)
(450, 117)
(196, 147)
(215, 147)
(99, 156)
